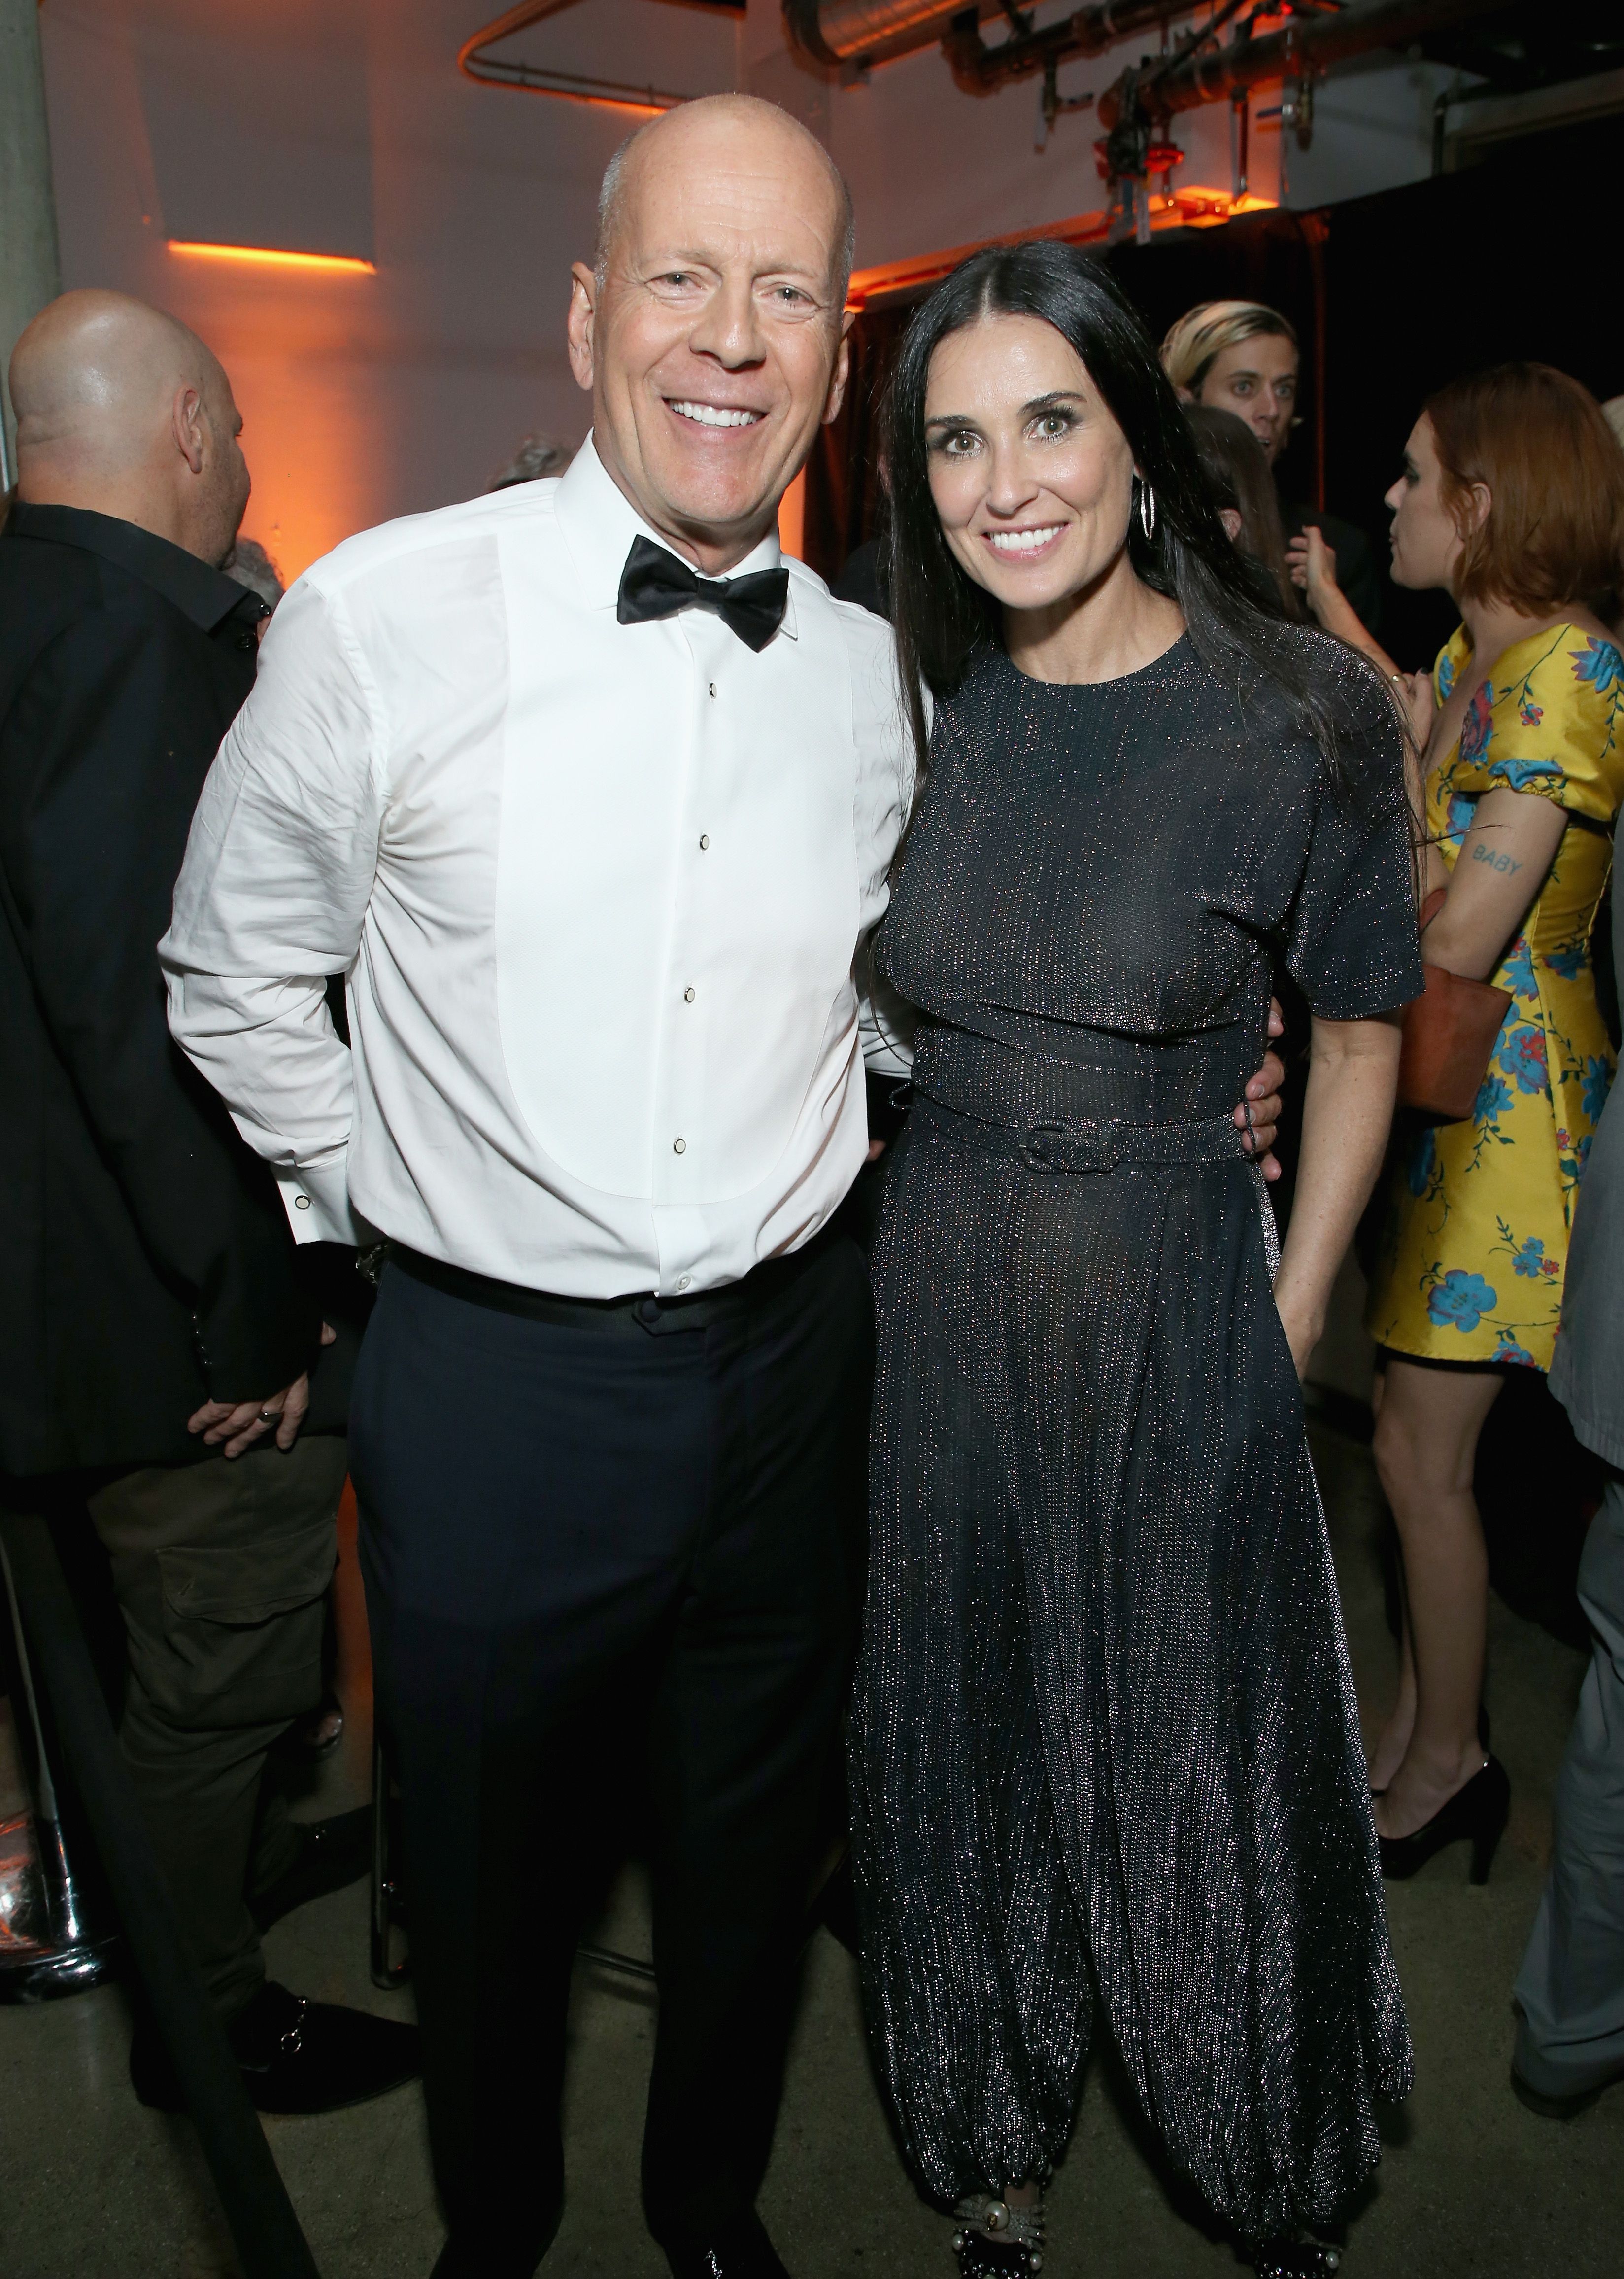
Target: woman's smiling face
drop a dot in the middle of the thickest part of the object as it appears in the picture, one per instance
(1030, 475)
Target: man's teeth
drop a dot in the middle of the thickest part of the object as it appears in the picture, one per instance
(1023, 541)
(714, 415)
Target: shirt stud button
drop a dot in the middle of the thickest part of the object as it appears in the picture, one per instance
(704, 839)
(679, 1146)
(682, 1281)
(713, 688)
(687, 996)
(302, 1202)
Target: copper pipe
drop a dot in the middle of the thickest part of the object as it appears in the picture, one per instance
(848, 31)
(1308, 45)
(536, 79)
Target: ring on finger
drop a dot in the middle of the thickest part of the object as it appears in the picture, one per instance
(267, 1416)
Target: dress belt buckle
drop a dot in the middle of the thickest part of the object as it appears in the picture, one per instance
(1052, 1148)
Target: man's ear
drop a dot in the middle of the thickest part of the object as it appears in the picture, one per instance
(583, 311)
(836, 397)
(191, 428)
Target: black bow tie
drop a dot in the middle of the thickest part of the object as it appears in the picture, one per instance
(656, 584)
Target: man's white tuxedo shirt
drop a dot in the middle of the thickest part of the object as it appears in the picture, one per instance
(598, 892)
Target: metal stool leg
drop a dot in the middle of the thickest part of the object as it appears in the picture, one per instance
(46, 1948)
(388, 1908)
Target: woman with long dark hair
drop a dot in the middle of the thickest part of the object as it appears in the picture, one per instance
(1104, 1731)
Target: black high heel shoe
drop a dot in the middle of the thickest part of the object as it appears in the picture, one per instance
(1482, 1741)
(1476, 1813)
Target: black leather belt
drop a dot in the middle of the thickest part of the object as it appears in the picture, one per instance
(639, 1311)
(1090, 1145)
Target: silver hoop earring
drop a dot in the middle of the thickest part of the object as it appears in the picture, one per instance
(1148, 508)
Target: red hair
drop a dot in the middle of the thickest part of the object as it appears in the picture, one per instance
(1554, 472)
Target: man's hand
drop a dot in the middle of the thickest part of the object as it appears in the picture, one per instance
(1262, 1098)
(240, 1424)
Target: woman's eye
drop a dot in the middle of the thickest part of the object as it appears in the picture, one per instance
(1052, 425)
(958, 446)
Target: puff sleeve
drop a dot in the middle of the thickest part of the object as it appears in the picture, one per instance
(1552, 723)
(1351, 945)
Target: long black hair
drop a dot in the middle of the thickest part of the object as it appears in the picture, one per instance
(943, 617)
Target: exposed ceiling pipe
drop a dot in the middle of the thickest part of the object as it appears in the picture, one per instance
(857, 32)
(982, 69)
(474, 62)
(1200, 75)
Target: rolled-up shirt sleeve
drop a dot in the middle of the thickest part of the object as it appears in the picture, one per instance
(270, 900)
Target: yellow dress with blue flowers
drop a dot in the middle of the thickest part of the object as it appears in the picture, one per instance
(1470, 1262)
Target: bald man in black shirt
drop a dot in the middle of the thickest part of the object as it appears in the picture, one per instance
(159, 1346)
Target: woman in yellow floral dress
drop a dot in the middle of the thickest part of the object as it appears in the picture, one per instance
(1513, 500)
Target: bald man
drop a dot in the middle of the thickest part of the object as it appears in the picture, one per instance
(156, 1334)
(593, 797)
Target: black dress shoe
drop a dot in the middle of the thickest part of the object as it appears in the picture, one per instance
(739, 2249)
(1476, 1813)
(463, 2256)
(296, 2056)
(332, 1854)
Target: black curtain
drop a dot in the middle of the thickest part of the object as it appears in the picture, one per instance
(1391, 295)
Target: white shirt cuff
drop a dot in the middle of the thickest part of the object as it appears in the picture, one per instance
(317, 1200)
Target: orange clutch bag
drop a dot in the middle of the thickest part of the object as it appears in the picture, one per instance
(1449, 1034)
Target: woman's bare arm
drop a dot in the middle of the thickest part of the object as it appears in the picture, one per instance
(1313, 566)
(1502, 865)
(1352, 1082)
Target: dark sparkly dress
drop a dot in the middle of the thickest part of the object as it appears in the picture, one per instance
(1104, 1732)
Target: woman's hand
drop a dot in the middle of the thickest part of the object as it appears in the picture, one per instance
(1313, 566)
(1302, 1332)
(1353, 1081)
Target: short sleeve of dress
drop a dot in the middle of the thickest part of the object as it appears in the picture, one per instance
(1551, 722)
(1351, 941)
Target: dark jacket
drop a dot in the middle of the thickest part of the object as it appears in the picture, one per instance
(146, 1258)
(1587, 1374)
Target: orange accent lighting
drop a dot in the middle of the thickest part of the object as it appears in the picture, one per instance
(1189, 207)
(264, 256)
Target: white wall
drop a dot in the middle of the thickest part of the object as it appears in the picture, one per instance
(343, 125)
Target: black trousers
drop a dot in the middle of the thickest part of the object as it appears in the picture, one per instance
(647, 1516)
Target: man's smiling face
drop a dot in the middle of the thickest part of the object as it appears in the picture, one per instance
(714, 345)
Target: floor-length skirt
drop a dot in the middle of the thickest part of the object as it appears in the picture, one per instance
(1104, 1735)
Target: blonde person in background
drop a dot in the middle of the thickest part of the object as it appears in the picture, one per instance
(1242, 356)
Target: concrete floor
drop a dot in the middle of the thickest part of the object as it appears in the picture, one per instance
(93, 2187)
